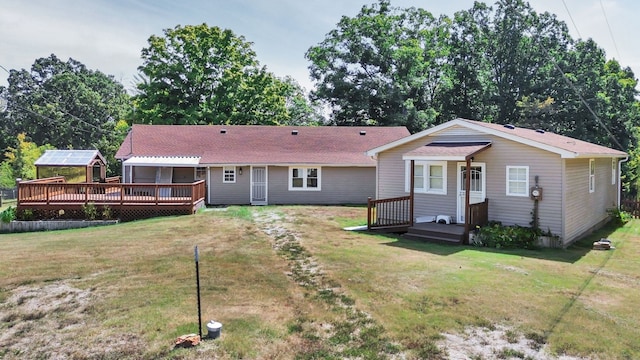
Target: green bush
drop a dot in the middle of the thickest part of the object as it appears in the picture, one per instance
(619, 217)
(8, 215)
(498, 236)
(90, 211)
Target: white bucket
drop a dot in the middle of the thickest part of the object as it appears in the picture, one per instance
(214, 329)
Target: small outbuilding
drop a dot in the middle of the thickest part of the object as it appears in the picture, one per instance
(77, 166)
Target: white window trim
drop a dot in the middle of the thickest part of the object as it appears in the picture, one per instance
(614, 171)
(224, 174)
(426, 168)
(304, 178)
(592, 175)
(526, 181)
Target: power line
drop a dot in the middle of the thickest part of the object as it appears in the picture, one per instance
(571, 17)
(62, 110)
(610, 32)
(577, 92)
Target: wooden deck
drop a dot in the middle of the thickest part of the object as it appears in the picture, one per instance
(54, 198)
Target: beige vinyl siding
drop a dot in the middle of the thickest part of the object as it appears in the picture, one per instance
(510, 210)
(437, 204)
(517, 210)
(222, 193)
(391, 170)
(339, 185)
(584, 210)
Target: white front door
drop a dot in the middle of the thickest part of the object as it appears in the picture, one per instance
(258, 185)
(477, 184)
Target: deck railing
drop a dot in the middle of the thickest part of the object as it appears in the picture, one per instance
(387, 213)
(112, 193)
(479, 213)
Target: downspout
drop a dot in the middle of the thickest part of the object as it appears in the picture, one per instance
(619, 180)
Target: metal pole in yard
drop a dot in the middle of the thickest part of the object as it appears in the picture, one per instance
(198, 287)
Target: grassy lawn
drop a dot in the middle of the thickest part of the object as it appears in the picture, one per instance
(6, 203)
(128, 290)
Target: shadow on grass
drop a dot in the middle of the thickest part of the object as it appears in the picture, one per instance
(571, 254)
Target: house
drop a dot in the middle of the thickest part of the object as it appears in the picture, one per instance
(77, 166)
(515, 173)
(259, 165)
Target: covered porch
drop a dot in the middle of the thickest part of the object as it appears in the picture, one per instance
(399, 214)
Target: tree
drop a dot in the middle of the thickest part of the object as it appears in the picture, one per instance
(301, 110)
(206, 75)
(381, 67)
(64, 104)
(468, 87)
(22, 158)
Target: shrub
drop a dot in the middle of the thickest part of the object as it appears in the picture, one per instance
(107, 213)
(90, 211)
(619, 217)
(498, 236)
(8, 215)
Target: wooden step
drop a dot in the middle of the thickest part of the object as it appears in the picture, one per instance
(440, 233)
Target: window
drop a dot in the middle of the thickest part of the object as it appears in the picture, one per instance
(201, 173)
(229, 174)
(592, 175)
(429, 177)
(517, 180)
(304, 178)
(614, 172)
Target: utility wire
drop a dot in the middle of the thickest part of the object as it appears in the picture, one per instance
(62, 110)
(571, 17)
(577, 92)
(610, 32)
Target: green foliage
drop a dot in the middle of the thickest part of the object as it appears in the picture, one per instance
(107, 213)
(22, 158)
(8, 215)
(495, 235)
(207, 75)
(619, 217)
(506, 64)
(90, 211)
(64, 104)
(7, 179)
(384, 65)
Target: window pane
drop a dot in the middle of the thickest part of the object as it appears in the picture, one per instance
(295, 173)
(435, 177)
(312, 172)
(297, 182)
(312, 182)
(418, 177)
(436, 183)
(436, 171)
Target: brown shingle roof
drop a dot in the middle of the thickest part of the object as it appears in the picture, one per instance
(254, 144)
(564, 146)
(579, 147)
(449, 150)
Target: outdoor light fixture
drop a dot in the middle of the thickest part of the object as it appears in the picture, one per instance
(240, 171)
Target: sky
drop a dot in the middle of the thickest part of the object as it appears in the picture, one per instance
(108, 35)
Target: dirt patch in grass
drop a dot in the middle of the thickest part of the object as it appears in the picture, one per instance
(54, 321)
(497, 342)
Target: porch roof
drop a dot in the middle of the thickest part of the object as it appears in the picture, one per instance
(456, 151)
(173, 161)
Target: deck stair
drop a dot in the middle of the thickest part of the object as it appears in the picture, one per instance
(438, 233)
